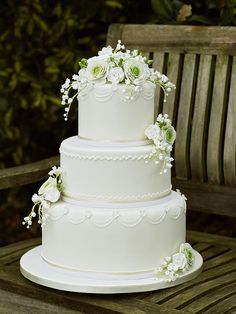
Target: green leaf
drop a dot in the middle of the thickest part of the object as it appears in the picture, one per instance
(163, 8)
(40, 22)
(114, 4)
(83, 63)
(201, 19)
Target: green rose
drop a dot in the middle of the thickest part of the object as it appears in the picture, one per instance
(97, 68)
(170, 135)
(187, 250)
(136, 70)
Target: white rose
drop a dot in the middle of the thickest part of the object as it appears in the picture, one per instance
(136, 71)
(152, 131)
(51, 182)
(97, 69)
(179, 260)
(115, 75)
(52, 195)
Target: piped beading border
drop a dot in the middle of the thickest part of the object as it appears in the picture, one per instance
(104, 157)
(112, 198)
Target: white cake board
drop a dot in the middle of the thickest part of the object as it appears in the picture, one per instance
(34, 268)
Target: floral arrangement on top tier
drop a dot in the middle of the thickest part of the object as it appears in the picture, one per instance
(163, 136)
(113, 66)
(49, 192)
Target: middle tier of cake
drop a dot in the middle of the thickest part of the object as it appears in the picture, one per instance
(102, 171)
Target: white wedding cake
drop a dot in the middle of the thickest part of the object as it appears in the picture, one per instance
(109, 210)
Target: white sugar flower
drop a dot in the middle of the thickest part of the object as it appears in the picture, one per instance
(115, 66)
(116, 75)
(49, 192)
(119, 46)
(45, 205)
(97, 69)
(52, 195)
(153, 132)
(187, 250)
(179, 260)
(51, 182)
(136, 71)
(169, 135)
(106, 51)
(55, 171)
(35, 198)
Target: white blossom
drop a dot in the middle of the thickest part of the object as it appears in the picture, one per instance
(35, 198)
(179, 259)
(106, 51)
(97, 69)
(49, 192)
(51, 182)
(153, 132)
(115, 75)
(136, 71)
(52, 194)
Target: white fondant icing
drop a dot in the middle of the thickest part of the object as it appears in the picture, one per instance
(104, 115)
(111, 173)
(114, 239)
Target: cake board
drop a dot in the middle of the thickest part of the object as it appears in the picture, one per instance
(34, 268)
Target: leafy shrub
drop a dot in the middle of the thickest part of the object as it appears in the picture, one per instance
(40, 46)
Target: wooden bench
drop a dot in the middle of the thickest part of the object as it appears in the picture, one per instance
(201, 61)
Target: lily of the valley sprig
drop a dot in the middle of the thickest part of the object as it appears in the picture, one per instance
(163, 136)
(49, 192)
(113, 66)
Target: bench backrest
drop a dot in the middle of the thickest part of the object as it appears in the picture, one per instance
(201, 61)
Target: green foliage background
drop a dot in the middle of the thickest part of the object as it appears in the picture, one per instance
(41, 43)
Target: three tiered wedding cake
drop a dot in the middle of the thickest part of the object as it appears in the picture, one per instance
(108, 213)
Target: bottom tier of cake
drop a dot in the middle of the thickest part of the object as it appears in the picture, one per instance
(117, 239)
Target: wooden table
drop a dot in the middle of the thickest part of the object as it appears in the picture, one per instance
(214, 291)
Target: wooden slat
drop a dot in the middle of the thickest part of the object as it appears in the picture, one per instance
(215, 134)
(158, 64)
(211, 238)
(19, 246)
(114, 34)
(208, 198)
(172, 73)
(200, 289)
(213, 252)
(184, 118)
(11, 303)
(26, 174)
(220, 259)
(211, 298)
(200, 246)
(230, 134)
(190, 290)
(224, 306)
(200, 122)
(173, 38)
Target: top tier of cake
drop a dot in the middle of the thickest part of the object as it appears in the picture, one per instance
(106, 114)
